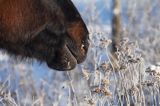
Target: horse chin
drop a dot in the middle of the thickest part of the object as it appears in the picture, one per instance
(63, 60)
(67, 57)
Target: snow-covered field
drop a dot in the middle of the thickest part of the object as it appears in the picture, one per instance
(95, 82)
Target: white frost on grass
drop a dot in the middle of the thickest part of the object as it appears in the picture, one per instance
(3, 56)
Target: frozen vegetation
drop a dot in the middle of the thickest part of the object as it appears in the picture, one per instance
(95, 82)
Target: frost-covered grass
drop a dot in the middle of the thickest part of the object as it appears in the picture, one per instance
(95, 82)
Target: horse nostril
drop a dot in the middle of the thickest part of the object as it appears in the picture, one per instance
(85, 44)
(84, 47)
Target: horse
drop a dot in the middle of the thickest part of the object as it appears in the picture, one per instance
(50, 31)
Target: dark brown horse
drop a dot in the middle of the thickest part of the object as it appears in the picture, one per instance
(48, 30)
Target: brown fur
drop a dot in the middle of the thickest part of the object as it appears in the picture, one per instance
(45, 30)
